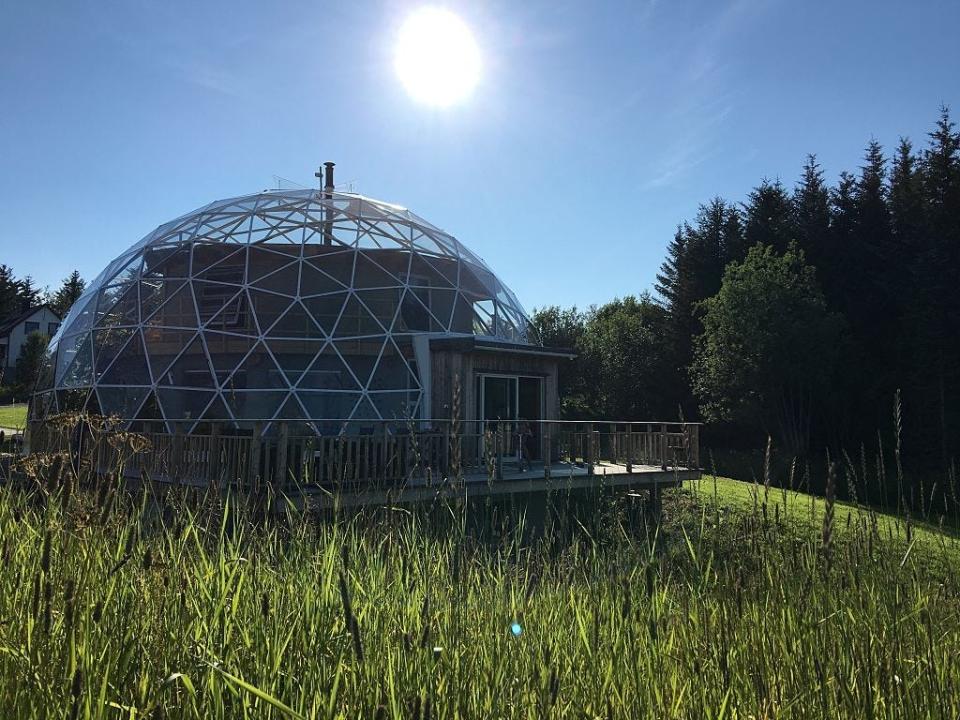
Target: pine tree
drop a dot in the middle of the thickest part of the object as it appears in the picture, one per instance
(769, 216)
(811, 204)
(907, 213)
(9, 294)
(28, 293)
(938, 267)
(734, 242)
(63, 299)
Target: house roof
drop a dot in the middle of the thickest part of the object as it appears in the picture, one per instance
(8, 327)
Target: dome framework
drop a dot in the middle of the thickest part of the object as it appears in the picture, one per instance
(290, 305)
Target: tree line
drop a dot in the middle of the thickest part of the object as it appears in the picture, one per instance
(814, 314)
(17, 296)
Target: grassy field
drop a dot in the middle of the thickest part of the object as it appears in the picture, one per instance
(13, 416)
(111, 606)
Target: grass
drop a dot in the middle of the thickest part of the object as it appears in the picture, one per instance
(115, 605)
(13, 416)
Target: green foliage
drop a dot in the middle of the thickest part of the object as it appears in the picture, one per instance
(623, 369)
(30, 361)
(731, 608)
(768, 344)
(63, 299)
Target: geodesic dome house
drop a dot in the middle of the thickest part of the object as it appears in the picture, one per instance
(308, 306)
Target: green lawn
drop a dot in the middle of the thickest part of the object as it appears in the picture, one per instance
(733, 607)
(804, 514)
(13, 416)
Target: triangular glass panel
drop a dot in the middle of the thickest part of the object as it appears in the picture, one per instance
(263, 262)
(128, 272)
(179, 405)
(364, 411)
(296, 323)
(361, 356)
(107, 343)
(163, 345)
(235, 315)
(121, 401)
(333, 261)
(219, 262)
(321, 406)
(150, 410)
(483, 323)
(315, 282)
(425, 243)
(177, 310)
(254, 405)
(82, 313)
(356, 320)
(326, 309)
(414, 315)
(291, 410)
(78, 360)
(441, 305)
(258, 370)
(286, 280)
(72, 400)
(269, 308)
(382, 304)
(328, 372)
(190, 369)
(117, 305)
(167, 262)
(462, 320)
(395, 405)
(216, 410)
(129, 367)
(93, 405)
(392, 371)
(368, 274)
(154, 292)
(423, 273)
(293, 357)
(226, 353)
(40, 405)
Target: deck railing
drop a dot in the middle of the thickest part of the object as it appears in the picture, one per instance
(380, 453)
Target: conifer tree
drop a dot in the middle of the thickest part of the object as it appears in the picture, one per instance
(9, 294)
(28, 293)
(63, 299)
(811, 203)
(769, 216)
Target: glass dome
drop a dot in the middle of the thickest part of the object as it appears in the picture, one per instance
(297, 305)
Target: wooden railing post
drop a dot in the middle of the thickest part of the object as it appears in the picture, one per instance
(663, 446)
(545, 449)
(588, 451)
(498, 441)
(253, 469)
(213, 455)
(283, 444)
(176, 461)
(695, 447)
(629, 441)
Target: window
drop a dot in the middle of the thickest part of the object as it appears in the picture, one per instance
(52, 328)
(30, 327)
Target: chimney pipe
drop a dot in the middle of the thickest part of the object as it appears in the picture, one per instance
(328, 210)
(328, 176)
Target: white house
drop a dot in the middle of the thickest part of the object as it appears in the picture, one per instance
(13, 335)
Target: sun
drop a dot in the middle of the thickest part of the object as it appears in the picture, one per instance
(437, 58)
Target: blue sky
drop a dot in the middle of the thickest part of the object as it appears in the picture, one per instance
(594, 130)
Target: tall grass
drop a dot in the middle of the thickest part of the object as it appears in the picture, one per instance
(113, 604)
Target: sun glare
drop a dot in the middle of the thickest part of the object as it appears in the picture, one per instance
(437, 58)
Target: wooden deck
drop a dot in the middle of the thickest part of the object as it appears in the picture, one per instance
(563, 476)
